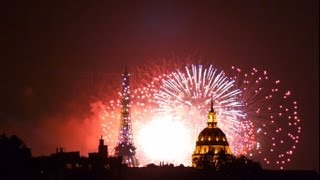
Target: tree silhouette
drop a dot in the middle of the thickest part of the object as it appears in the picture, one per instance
(240, 167)
(222, 158)
(229, 165)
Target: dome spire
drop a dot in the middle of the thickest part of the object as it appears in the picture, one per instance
(212, 110)
(212, 116)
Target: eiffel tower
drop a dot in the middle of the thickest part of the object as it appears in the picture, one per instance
(125, 147)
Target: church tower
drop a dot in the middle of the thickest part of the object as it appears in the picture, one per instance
(102, 149)
(211, 141)
(125, 147)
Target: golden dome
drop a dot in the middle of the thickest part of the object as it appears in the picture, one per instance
(211, 139)
(212, 136)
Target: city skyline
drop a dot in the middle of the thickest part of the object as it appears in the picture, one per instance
(56, 55)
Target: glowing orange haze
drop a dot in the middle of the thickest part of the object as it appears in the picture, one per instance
(68, 132)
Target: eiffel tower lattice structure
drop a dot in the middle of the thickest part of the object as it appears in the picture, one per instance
(125, 146)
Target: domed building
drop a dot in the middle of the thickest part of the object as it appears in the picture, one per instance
(211, 143)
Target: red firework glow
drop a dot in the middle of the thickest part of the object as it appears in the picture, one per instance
(259, 118)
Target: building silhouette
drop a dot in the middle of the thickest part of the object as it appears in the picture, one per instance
(125, 147)
(211, 143)
(70, 165)
(16, 163)
(102, 151)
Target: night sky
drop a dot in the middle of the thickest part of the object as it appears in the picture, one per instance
(54, 56)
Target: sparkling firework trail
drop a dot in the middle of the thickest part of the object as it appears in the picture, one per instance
(274, 116)
(187, 93)
(181, 99)
(252, 110)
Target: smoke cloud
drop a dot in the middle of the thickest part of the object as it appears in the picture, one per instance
(70, 132)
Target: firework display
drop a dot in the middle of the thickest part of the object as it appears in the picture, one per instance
(186, 93)
(259, 118)
(273, 112)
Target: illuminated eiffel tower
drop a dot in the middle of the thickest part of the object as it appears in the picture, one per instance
(125, 147)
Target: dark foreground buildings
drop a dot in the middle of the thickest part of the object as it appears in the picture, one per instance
(16, 163)
(70, 165)
(101, 170)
